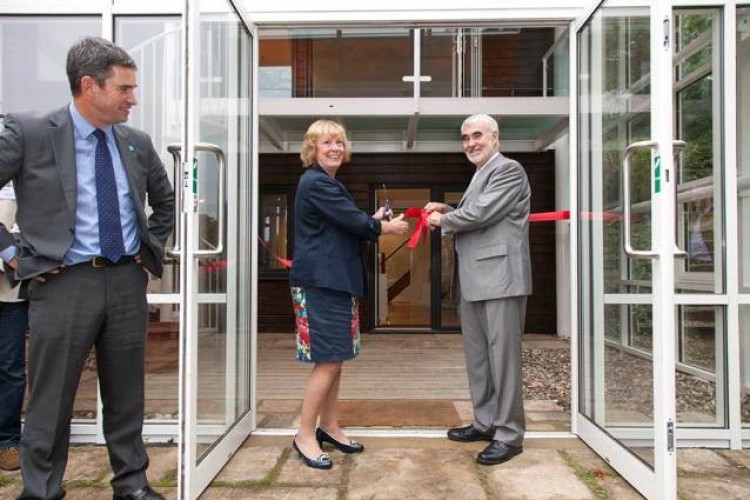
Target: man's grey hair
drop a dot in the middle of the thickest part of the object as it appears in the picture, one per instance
(487, 120)
(94, 56)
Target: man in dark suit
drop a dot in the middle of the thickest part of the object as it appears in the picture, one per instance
(492, 279)
(83, 249)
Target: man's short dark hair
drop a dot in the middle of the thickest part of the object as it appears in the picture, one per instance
(94, 56)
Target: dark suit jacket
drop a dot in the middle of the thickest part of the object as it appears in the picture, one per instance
(38, 154)
(328, 227)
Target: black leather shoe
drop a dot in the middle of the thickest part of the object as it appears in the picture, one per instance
(322, 461)
(145, 493)
(497, 453)
(323, 437)
(469, 433)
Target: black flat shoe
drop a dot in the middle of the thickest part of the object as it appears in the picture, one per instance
(497, 453)
(322, 461)
(469, 433)
(353, 446)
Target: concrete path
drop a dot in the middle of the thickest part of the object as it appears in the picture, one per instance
(406, 469)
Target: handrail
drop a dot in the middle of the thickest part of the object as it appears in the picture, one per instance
(396, 250)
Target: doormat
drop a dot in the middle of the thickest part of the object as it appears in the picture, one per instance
(397, 413)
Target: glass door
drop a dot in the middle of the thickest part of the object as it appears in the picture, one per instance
(626, 236)
(216, 185)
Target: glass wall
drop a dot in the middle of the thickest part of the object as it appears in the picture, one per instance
(350, 62)
(454, 62)
(743, 200)
(32, 67)
(154, 44)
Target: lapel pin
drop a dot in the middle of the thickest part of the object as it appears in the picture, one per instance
(131, 148)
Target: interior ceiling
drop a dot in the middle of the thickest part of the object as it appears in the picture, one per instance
(283, 134)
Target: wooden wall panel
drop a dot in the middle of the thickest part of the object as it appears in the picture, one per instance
(367, 171)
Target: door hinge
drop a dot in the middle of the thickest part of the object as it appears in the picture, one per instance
(670, 436)
(666, 33)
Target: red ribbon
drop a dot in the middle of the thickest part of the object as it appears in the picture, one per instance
(548, 216)
(287, 263)
(422, 229)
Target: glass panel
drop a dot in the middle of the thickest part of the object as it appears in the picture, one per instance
(225, 278)
(743, 146)
(439, 62)
(557, 67)
(699, 352)
(350, 62)
(404, 284)
(616, 316)
(628, 391)
(155, 45)
(36, 47)
(745, 364)
(450, 311)
(273, 231)
(162, 364)
(508, 61)
(699, 167)
(743, 198)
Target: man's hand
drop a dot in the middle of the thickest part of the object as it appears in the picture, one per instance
(435, 206)
(434, 219)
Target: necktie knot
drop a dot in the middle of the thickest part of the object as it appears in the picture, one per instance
(100, 135)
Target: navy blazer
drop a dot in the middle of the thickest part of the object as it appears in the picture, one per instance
(328, 228)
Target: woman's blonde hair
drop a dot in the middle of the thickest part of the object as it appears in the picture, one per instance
(322, 128)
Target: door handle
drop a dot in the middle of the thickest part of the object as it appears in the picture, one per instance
(176, 151)
(677, 148)
(628, 247)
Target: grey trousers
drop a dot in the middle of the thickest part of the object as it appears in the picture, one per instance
(492, 335)
(79, 308)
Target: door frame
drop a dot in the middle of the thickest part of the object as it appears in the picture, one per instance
(194, 473)
(661, 482)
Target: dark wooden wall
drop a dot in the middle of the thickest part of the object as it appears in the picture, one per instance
(367, 171)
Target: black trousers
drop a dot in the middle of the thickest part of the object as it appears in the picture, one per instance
(79, 308)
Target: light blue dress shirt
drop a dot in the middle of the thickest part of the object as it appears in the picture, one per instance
(86, 241)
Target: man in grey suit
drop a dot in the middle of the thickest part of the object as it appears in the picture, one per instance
(492, 279)
(82, 252)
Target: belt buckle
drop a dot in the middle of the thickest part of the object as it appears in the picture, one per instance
(98, 262)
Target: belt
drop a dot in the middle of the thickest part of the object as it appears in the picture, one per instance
(105, 262)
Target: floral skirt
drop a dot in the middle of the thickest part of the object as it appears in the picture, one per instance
(327, 324)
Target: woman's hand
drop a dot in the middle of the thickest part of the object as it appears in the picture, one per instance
(395, 226)
(379, 214)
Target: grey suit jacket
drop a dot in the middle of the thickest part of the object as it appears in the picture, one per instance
(491, 227)
(38, 154)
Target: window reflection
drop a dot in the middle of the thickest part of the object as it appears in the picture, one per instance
(273, 231)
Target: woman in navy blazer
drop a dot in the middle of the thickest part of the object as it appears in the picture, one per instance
(327, 279)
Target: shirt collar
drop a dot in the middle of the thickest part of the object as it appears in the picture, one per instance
(82, 127)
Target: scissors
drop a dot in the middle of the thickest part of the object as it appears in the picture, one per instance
(388, 212)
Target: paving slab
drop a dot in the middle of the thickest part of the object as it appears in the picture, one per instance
(702, 461)
(296, 473)
(11, 491)
(162, 465)
(416, 474)
(250, 464)
(536, 474)
(86, 463)
(270, 494)
(739, 457)
(541, 405)
(698, 488)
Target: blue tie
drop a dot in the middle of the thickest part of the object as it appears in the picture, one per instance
(110, 227)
